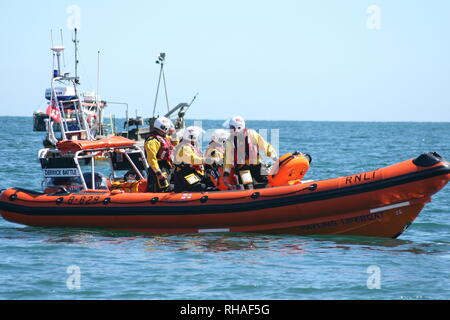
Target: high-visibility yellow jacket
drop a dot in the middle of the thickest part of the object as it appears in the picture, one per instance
(152, 148)
(214, 154)
(189, 155)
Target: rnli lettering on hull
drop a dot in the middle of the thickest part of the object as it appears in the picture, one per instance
(358, 178)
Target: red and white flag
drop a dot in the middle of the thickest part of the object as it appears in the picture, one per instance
(53, 112)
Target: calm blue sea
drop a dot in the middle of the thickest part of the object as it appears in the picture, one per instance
(40, 263)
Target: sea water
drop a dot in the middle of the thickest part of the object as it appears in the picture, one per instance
(45, 263)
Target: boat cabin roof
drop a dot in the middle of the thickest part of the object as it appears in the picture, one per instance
(72, 146)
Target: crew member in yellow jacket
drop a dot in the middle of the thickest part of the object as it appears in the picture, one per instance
(158, 150)
(214, 155)
(189, 173)
(243, 154)
(215, 150)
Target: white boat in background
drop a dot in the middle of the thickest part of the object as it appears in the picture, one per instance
(64, 100)
(81, 116)
(66, 108)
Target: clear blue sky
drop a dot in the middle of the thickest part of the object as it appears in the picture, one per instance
(294, 60)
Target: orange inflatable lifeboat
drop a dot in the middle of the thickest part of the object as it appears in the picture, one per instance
(380, 202)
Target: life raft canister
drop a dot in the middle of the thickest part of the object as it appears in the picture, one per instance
(292, 167)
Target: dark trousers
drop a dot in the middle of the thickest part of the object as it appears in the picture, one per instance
(259, 180)
(182, 185)
(152, 179)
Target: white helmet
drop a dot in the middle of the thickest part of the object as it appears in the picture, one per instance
(163, 124)
(236, 123)
(220, 136)
(192, 133)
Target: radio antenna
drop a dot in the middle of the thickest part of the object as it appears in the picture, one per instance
(51, 39)
(76, 41)
(165, 89)
(62, 45)
(98, 77)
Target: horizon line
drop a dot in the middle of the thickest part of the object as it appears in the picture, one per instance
(285, 120)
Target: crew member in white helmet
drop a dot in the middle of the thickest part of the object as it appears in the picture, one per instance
(158, 151)
(243, 154)
(189, 173)
(215, 150)
(214, 155)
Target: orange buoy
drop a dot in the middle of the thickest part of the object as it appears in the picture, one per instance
(291, 169)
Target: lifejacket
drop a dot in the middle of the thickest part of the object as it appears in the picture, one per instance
(250, 149)
(213, 146)
(166, 149)
(198, 168)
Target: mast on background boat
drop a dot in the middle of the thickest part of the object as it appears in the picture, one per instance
(62, 45)
(76, 41)
(181, 107)
(160, 61)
